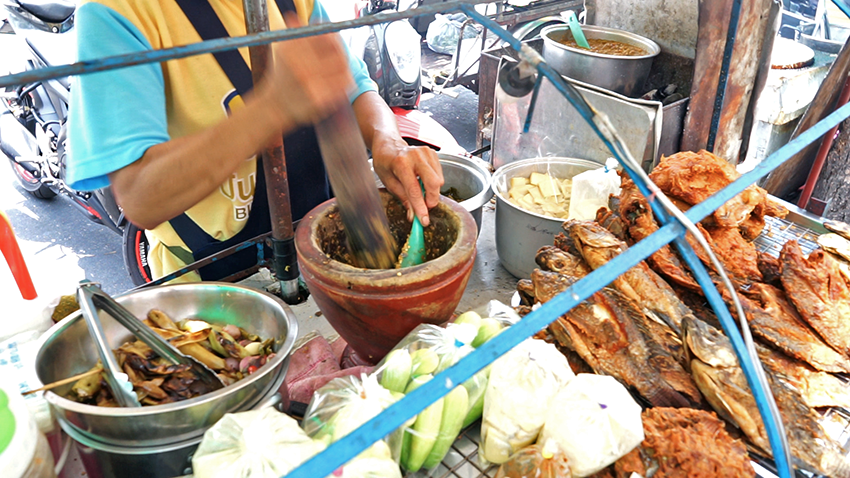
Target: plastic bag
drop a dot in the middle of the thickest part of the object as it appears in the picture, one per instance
(594, 421)
(522, 384)
(426, 351)
(536, 461)
(343, 405)
(591, 189)
(444, 32)
(257, 444)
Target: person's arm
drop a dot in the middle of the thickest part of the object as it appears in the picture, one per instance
(309, 78)
(398, 165)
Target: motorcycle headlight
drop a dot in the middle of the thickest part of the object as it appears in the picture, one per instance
(402, 43)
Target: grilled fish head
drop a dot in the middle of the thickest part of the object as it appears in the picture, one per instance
(706, 344)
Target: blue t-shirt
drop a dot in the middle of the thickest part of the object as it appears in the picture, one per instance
(115, 116)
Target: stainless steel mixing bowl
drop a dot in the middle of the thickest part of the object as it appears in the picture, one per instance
(67, 350)
(471, 179)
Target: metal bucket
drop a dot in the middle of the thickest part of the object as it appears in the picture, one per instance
(471, 179)
(520, 233)
(67, 350)
(622, 74)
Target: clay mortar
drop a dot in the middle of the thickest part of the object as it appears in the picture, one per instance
(373, 309)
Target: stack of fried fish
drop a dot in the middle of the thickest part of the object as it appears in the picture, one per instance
(652, 330)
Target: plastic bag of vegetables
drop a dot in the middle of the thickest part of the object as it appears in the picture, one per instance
(522, 384)
(595, 421)
(257, 444)
(536, 461)
(426, 351)
(343, 405)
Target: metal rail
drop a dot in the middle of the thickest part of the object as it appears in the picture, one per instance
(224, 44)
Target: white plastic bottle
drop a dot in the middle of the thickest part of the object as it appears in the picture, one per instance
(24, 451)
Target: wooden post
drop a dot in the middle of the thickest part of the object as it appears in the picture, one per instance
(750, 38)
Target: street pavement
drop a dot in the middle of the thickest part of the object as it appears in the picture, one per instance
(62, 247)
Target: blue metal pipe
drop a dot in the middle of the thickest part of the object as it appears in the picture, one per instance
(224, 44)
(843, 7)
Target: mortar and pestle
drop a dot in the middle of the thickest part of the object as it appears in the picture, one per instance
(373, 309)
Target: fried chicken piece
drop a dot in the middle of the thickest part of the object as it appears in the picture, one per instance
(690, 443)
(738, 256)
(770, 268)
(694, 177)
(634, 210)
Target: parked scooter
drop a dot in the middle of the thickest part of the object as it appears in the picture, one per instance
(392, 53)
(33, 121)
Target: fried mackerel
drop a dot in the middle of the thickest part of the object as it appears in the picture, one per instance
(818, 389)
(635, 211)
(598, 246)
(717, 373)
(773, 319)
(819, 292)
(602, 331)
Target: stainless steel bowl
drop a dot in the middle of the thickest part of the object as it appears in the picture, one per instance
(520, 233)
(67, 350)
(622, 74)
(471, 178)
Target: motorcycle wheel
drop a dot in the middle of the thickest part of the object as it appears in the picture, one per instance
(136, 248)
(31, 183)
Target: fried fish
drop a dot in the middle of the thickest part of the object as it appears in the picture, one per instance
(720, 378)
(819, 292)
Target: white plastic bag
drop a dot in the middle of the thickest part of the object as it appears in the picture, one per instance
(343, 405)
(257, 444)
(522, 384)
(591, 190)
(595, 421)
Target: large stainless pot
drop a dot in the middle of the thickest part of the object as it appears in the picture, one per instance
(471, 178)
(67, 350)
(520, 233)
(622, 74)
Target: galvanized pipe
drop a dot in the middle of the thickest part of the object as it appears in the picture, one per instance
(274, 166)
(224, 44)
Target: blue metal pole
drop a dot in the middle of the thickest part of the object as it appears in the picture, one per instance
(223, 44)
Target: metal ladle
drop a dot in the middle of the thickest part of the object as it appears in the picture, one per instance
(91, 298)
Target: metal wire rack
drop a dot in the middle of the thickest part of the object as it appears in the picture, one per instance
(462, 459)
(779, 231)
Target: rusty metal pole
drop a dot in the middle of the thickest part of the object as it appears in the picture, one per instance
(274, 167)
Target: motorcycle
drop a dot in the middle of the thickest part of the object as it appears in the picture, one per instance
(392, 54)
(33, 129)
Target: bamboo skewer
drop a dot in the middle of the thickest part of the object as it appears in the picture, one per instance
(65, 381)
